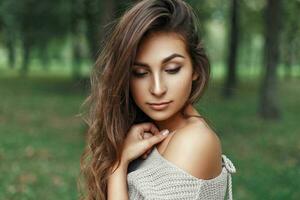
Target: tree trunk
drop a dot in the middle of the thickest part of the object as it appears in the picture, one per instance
(25, 56)
(77, 56)
(230, 83)
(288, 63)
(98, 15)
(11, 52)
(268, 97)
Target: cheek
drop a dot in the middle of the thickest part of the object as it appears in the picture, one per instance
(182, 84)
(137, 91)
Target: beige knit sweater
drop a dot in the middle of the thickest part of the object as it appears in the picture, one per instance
(157, 178)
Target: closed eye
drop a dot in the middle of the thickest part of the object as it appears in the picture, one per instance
(174, 71)
(170, 71)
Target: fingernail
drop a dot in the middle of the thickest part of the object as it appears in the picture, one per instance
(165, 132)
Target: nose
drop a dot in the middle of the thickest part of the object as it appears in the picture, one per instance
(157, 87)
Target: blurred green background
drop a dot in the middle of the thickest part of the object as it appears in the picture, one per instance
(47, 49)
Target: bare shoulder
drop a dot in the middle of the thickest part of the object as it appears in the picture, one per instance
(196, 149)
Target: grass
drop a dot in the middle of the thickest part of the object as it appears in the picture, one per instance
(265, 153)
(41, 138)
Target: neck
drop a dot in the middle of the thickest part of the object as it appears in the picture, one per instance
(176, 121)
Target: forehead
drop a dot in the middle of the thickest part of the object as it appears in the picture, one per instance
(159, 45)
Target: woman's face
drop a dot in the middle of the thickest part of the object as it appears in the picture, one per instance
(162, 72)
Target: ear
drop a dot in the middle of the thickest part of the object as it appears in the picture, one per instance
(195, 75)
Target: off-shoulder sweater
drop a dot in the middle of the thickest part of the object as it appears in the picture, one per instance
(157, 178)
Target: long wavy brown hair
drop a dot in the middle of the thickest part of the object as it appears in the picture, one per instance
(111, 111)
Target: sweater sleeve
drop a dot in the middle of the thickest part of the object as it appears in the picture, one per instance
(160, 179)
(211, 189)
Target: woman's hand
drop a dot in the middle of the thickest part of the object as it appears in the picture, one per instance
(139, 140)
(147, 135)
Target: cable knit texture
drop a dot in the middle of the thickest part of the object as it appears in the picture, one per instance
(157, 178)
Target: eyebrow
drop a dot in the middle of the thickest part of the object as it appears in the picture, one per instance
(162, 62)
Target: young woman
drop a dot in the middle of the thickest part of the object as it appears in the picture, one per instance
(146, 140)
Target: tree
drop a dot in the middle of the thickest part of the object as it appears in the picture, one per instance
(268, 95)
(231, 79)
(98, 14)
(10, 26)
(39, 23)
(289, 40)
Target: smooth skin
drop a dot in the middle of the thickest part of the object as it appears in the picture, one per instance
(192, 145)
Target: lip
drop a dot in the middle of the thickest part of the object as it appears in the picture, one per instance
(166, 102)
(159, 106)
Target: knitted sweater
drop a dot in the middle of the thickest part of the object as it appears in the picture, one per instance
(156, 178)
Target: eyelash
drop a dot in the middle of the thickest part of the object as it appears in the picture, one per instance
(171, 71)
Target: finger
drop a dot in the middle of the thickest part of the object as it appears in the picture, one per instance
(155, 139)
(145, 155)
(148, 126)
(147, 135)
(147, 151)
(167, 134)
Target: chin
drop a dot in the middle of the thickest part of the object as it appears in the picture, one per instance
(159, 115)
